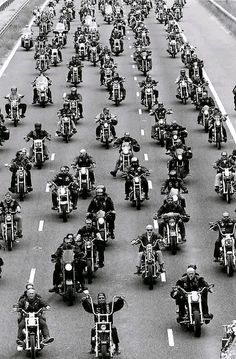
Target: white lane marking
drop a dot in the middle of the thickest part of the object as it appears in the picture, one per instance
(142, 132)
(32, 275)
(134, 66)
(135, 78)
(140, 111)
(13, 51)
(145, 156)
(155, 224)
(170, 337)
(131, 55)
(47, 187)
(41, 223)
(52, 156)
(218, 101)
(149, 184)
(163, 277)
(128, 38)
(130, 46)
(137, 94)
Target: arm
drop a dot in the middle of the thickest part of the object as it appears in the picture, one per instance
(87, 305)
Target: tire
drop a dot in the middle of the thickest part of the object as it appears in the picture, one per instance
(138, 204)
(149, 104)
(197, 323)
(15, 122)
(230, 265)
(228, 194)
(206, 127)
(89, 271)
(32, 346)
(9, 239)
(38, 161)
(173, 245)
(106, 143)
(150, 277)
(70, 296)
(64, 214)
(116, 101)
(21, 192)
(162, 141)
(218, 141)
(104, 353)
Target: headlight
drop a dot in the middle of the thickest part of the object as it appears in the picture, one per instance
(101, 220)
(68, 267)
(103, 327)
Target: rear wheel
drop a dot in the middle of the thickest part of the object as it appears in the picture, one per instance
(230, 265)
(32, 346)
(197, 323)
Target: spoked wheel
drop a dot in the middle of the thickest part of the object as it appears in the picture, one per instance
(9, 239)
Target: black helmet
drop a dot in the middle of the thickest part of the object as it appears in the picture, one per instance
(37, 126)
(64, 169)
(73, 90)
(134, 161)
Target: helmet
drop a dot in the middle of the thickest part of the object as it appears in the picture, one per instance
(226, 216)
(14, 88)
(204, 94)
(194, 56)
(169, 199)
(73, 90)
(173, 173)
(126, 134)
(69, 238)
(73, 57)
(99, 192)
(37, 126)
(224, 154)
(134, 161)
(149, 227)
(192, 266)
(66, 105)
(148, 78)
(105, 110)
(24, 151)
(29, 286)
(101, 186)
(182, 72)
(19, 153)
(234, 153)
(160, 104)
(64, 169)
(83, 152)
(116, 74)
(88, 221)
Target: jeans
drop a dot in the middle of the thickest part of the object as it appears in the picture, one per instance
(42, 325)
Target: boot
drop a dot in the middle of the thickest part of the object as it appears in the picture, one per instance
(217, 189)
(113, 173)
(138, 270)
(161, 269)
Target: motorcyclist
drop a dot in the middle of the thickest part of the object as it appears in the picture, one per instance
(11, 205)
(64, 178)
(160, 114)
(14, 95)
(200, 65)
(20, 161)
(131, 171)
(118, 143)
(75, 62)
(3, 128)
(107, 63)
(105, 51)
(69, 242)
(189, 282)
(223, 118)
(93, 43)
(183, 77)
(148, 82)
(65, 112)
(182, 133)
(187, 155)
(103, 202)
(186, 46)
(35, 134)
(32, 303)
(119, 22)
(149, 237)
(35, 92)
(173, 182)
(85, 160)
(105, 115)
(115, 34)
(57, 47)
(89, 230)
(102, 307)
(171, 206)
(74, 95)
(227, 225)
(120, 80)
(45, 51)
(205, 101)
(225, 161)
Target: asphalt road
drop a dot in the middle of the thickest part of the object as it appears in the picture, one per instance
(144, 323)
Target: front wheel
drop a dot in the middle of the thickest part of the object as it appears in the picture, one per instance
(230, 265)
(228, 194)
(138, 203)
(150, 276)
(162, 140)
(70, 296)
(39, 161)
(218, 141)
(173, 242)
(89, 271)
(9, 239)
(21, 191)
(197, 323)
(32, 346)
(104, 353)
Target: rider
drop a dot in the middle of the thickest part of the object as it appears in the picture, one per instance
(225, 161)
(104, 116)
(227, 225)
(148, 82)
(14, 95)
(85, 160)
(75, 62)
(205, 101)
(102, 307)
(160, 114)
(74, 95)
(171, 206)
(35, 92)
(200, 65)
(57, 47)
(103, 202)
(65, 112)
(223, 118)
(115, 34)
(186, 46)
(11, 205)
(183, 77)
(118, 143)
(64, 178)
(3, 129)
(187, 155)
(90, 230)
(174, 126)
(32, 303)
(36, 134)
(106, 63)
(69, 242)
(120, 80)
(189, 282)
(149, 237)
(131, 171)
(20, 161)
(173, 182)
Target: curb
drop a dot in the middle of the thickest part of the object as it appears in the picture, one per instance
(5, 4)
(225, 12)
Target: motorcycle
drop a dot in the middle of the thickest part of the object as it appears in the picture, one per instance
(160, 15)
(66, 130)
(199, 89)
(227, 250)
(217, 132)
(104, 346)
(75, 115)
(102, 225)
(91, 257)
(172, 48)
(68, 288)
(41, 63)
(158, 131)
(26, 40)
(116, 96)
(83, 180)
(178, 14)
(125, 156)
(205, 117)
(226, 189)
(180, 162)
(172, 237)
(136, 195)
(149, 97)
(149, 265)
(54, 57)
(14, 114)
(93, 55)
(42, 90)
(75, 78)
(105, 135)
(81, 50)
(183, 91)
(38, 152)
(108, 74)
(194, 315)
(20, 185)
(187, 56)
(9, 229)
(63, 200)
(116, 47)
(144, 64)
(108, 14)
